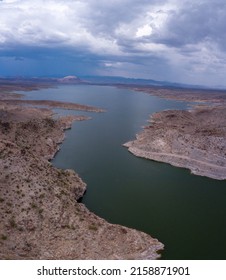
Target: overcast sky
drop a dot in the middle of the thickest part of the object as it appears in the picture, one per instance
(175, 40)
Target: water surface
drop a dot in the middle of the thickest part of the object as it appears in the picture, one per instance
(185, 212)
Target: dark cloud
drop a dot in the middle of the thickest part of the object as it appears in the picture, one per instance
(105, 17)
(195, 22)
(162, 39)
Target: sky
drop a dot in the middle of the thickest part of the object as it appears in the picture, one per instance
(168, 40)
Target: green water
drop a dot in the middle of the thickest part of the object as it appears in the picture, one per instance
(185, 212)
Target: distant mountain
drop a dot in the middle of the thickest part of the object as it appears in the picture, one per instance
(69, 80)
(46, 80)
(133, 81)
(101, 80)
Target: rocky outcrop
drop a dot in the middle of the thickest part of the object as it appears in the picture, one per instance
(193, 139)
(53, 104)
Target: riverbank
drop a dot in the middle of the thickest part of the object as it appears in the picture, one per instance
(40, 215)
(182, 94)
(193, 139)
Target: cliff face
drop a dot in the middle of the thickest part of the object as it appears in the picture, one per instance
(39, 212)
(192, 139)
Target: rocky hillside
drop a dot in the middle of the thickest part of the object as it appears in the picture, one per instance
(39, 212)
(193, 139)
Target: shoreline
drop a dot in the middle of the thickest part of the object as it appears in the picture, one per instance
(192, 139)
(41, 218)
(182, 94)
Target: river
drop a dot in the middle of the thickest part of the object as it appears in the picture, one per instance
(184, 211)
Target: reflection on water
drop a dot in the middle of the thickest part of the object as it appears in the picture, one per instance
(185, 212)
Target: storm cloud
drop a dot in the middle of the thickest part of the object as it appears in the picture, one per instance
(182, 41)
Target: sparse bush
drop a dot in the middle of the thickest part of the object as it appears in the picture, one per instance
(3, 237)
(93, 227)
(12, 222)
(42, 195)
(33, 205)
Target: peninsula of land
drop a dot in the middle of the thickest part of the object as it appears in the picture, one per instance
(39, 210)
(193, 139)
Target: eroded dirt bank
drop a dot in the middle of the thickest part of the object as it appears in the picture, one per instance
(40, 215)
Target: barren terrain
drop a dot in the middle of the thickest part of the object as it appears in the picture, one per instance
(193, 139)
(184, 94)
(40, 215)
